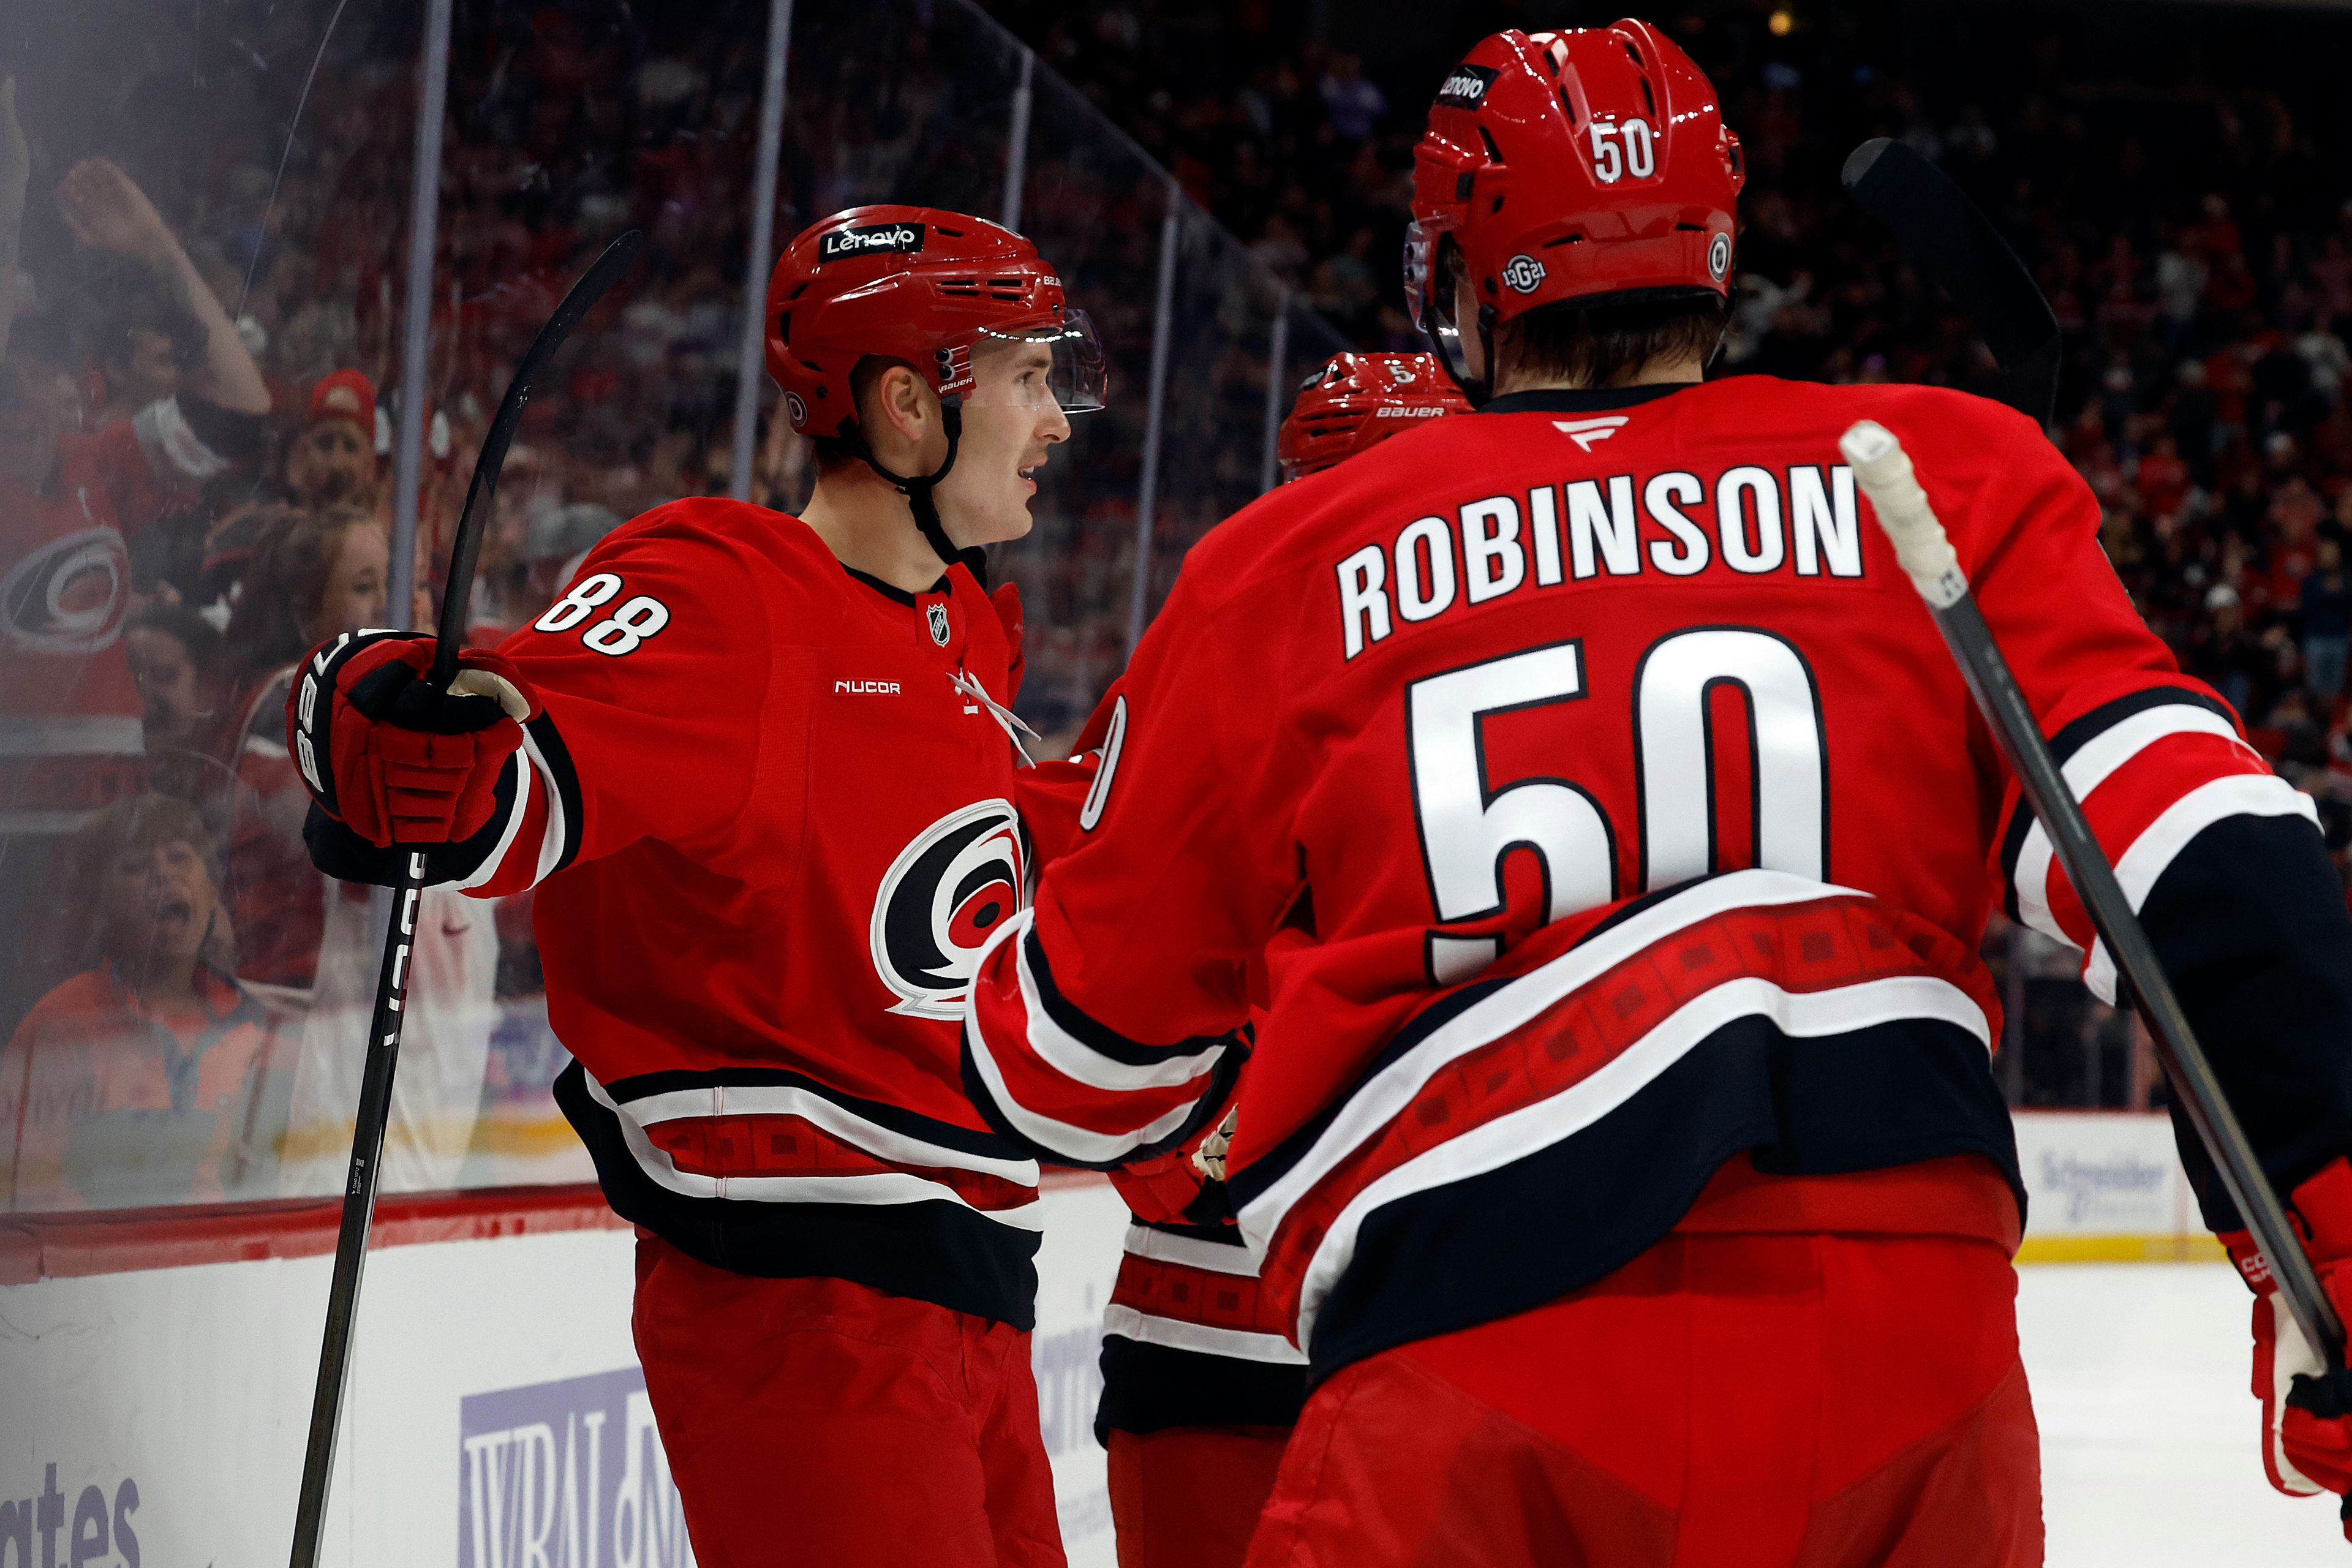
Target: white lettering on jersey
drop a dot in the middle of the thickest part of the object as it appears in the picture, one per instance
(1801, 521)
(865, 687)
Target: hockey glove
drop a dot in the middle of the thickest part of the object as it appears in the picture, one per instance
(2306, 1413)
(391, 756)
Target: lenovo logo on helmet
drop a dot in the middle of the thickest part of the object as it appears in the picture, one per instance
(1466, 86)
(869, 239)
(1524, 273)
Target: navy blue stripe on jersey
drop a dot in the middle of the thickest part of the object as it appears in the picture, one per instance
(1148, 1388)
(1063, 1085)
(2250, 923)
(1093, 1034)
(1246, 1184)
(939, 1251)
(1513, 1238)
(2071, 738)
(554, 759)
(898, 1118)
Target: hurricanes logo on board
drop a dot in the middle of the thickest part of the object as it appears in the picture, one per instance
(941, 902)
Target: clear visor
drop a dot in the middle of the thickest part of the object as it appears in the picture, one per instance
(1429, 300)
(1058, 362)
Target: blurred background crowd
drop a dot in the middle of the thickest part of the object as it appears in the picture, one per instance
(205, 212)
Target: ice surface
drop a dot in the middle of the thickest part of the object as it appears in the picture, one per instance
(2149, 1455)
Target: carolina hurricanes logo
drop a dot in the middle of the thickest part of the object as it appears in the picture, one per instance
(941, 902)
(69, 596)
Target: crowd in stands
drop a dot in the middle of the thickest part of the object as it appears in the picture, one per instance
(201, 278)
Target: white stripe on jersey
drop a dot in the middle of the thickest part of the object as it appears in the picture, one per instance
(2139, 866)
(2092, 763)
(772, 1099)
(1079, 1144)
(525, 776)
(1212, 1256)
(1241, 1344)
(1373, 1107)
(1519, 1134)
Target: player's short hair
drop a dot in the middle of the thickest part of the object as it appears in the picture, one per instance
(830, 453)
(1604, 344)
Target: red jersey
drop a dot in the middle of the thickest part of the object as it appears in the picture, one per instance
(1635, 818)
(770, 802)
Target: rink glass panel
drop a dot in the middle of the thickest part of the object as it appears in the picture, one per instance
(153, 612)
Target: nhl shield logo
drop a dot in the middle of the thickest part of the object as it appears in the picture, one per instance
(1524, 273)
(939, 619)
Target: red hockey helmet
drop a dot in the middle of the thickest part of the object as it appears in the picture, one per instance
(1591, 166)
(916, 284)
(1360, 400)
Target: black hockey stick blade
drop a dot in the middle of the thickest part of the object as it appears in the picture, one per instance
(374, 1114)
(1950, 240)
(467, 548)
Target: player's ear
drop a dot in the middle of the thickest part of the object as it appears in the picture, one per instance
(904, 414)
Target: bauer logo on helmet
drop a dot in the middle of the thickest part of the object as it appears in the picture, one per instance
(870, 239)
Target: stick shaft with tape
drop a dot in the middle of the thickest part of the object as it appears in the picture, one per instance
(1884, 471)
(373, 1117)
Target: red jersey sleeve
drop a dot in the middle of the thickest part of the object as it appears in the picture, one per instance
(2154, 756)
(652, 669)
(1102, 1048)
(2222, 859)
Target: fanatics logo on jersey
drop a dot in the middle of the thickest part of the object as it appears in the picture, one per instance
(1584, 432)
(1524, 273)
(938, 615)
(1466, 86)
(869, 239)
(941, 902)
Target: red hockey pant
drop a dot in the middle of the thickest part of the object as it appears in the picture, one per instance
(1725, 1400)
(819, 1421)
(1189, 1497)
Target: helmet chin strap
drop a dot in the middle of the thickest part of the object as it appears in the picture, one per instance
(924, 505)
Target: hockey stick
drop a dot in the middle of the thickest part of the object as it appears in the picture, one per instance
(1884, 471)
(392, 981)
(1952, 242)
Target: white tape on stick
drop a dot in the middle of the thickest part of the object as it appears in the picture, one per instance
(1883, 471)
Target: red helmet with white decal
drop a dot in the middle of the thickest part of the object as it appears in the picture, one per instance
(1358, 400)
(923, 285)
(1590, 167)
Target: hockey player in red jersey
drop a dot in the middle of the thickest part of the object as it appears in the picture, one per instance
(1200, 1385)
(764, 770)
(1621, 1140)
